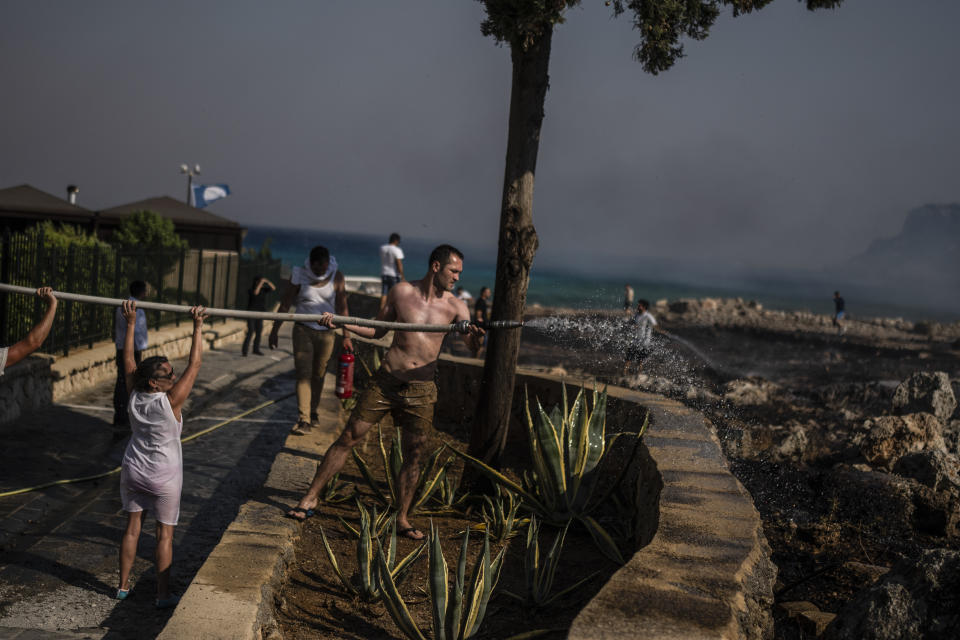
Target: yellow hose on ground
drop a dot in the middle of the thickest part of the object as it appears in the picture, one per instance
(117, 470)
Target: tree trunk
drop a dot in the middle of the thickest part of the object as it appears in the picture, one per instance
(517, 245)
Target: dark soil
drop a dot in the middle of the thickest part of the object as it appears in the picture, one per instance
(313, 603)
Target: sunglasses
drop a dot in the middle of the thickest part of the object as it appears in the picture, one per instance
(169, 376)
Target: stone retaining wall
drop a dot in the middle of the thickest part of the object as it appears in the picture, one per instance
(703, 568)
(25, 386)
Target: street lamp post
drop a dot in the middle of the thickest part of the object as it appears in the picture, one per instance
(195, 171)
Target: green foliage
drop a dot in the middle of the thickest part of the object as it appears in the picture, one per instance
(148, 231)
(567, 447)
(368, 578)
(335, 491)
(428, 482)
(539, 571)
(500, 514)
(457, 611)
(63, 236)
(661, 23)
(263, 253)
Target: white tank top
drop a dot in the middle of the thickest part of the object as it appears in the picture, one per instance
(317, 300)
(154, 457)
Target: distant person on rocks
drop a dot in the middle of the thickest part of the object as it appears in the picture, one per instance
(19, 350)
(404, 385)
(391, 266)
(481, 314)
(256, 301)
(838, 313)
(642, 324)
(315, 288)
(138, 290)
(627, 298)
(151, 475)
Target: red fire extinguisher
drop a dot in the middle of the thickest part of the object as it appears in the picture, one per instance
(345, 376)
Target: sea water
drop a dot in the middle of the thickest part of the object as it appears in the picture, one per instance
(358, 255)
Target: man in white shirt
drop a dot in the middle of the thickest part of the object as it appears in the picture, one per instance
(643, 324)
(391, 272)
(20, 350)
(121, 395)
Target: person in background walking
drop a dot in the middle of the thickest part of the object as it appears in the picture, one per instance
(257, 301)
(838, 313)
(315, 288)
(151, 474)
(643, 324)
(481, 314)
(19, 350)
(138, 290)
(391, 271)
(627, 298)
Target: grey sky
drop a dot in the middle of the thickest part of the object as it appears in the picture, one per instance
(786, 138)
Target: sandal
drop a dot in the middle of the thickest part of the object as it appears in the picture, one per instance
(299, 514)
(123, 594)
(409, 532)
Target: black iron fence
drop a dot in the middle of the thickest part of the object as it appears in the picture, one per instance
(211, 278)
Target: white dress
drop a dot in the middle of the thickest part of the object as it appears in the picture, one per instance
(151, 477)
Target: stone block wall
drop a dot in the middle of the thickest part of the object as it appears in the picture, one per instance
(25, 386)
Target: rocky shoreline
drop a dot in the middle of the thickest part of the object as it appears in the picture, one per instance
(850, 446)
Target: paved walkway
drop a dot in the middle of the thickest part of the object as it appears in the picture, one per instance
(58, 546)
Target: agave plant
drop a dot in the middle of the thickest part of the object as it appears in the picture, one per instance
(367, 584)
(446, 495)
(457, 612)
(430, 475)
(335, 491)
(567, 447)
(500, 514)
(540, 570)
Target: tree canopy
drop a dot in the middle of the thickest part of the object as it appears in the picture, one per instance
(147, 231)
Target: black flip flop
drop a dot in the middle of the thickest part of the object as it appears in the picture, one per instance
(306, 514)
(406, 533)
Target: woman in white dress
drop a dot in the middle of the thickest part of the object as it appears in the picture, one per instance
(151, 475)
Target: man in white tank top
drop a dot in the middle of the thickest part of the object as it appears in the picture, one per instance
(315, 288)
(21, 349)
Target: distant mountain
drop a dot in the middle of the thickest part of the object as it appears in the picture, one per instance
(923, 259)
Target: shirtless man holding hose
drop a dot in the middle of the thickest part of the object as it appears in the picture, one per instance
(404, 384)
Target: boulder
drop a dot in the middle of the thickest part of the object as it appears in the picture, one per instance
(916, 599)
(886, 439)
(749, 391)
(951, 436)
(935, 469)
(928, 392)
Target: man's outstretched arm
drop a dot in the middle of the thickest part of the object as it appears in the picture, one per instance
(38, 334)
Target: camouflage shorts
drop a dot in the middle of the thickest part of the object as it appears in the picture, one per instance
(410, 403)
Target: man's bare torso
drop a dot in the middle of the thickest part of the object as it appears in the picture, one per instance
(413, 354)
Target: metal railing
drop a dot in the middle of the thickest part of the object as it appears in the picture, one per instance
(210, 278)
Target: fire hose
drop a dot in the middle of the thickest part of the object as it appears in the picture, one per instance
(461, 327)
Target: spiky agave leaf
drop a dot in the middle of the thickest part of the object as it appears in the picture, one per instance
(554, 473)
(602, 539)
(455, 607)
(438, 586)
(368, 476)
(481, 586)
(365, 559)
(429, 483)
(495, 476)
(333, 563)
(393, 601)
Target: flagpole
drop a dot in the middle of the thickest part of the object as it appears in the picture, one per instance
(195, 171)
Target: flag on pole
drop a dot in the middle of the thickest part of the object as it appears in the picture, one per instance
(204, 194)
